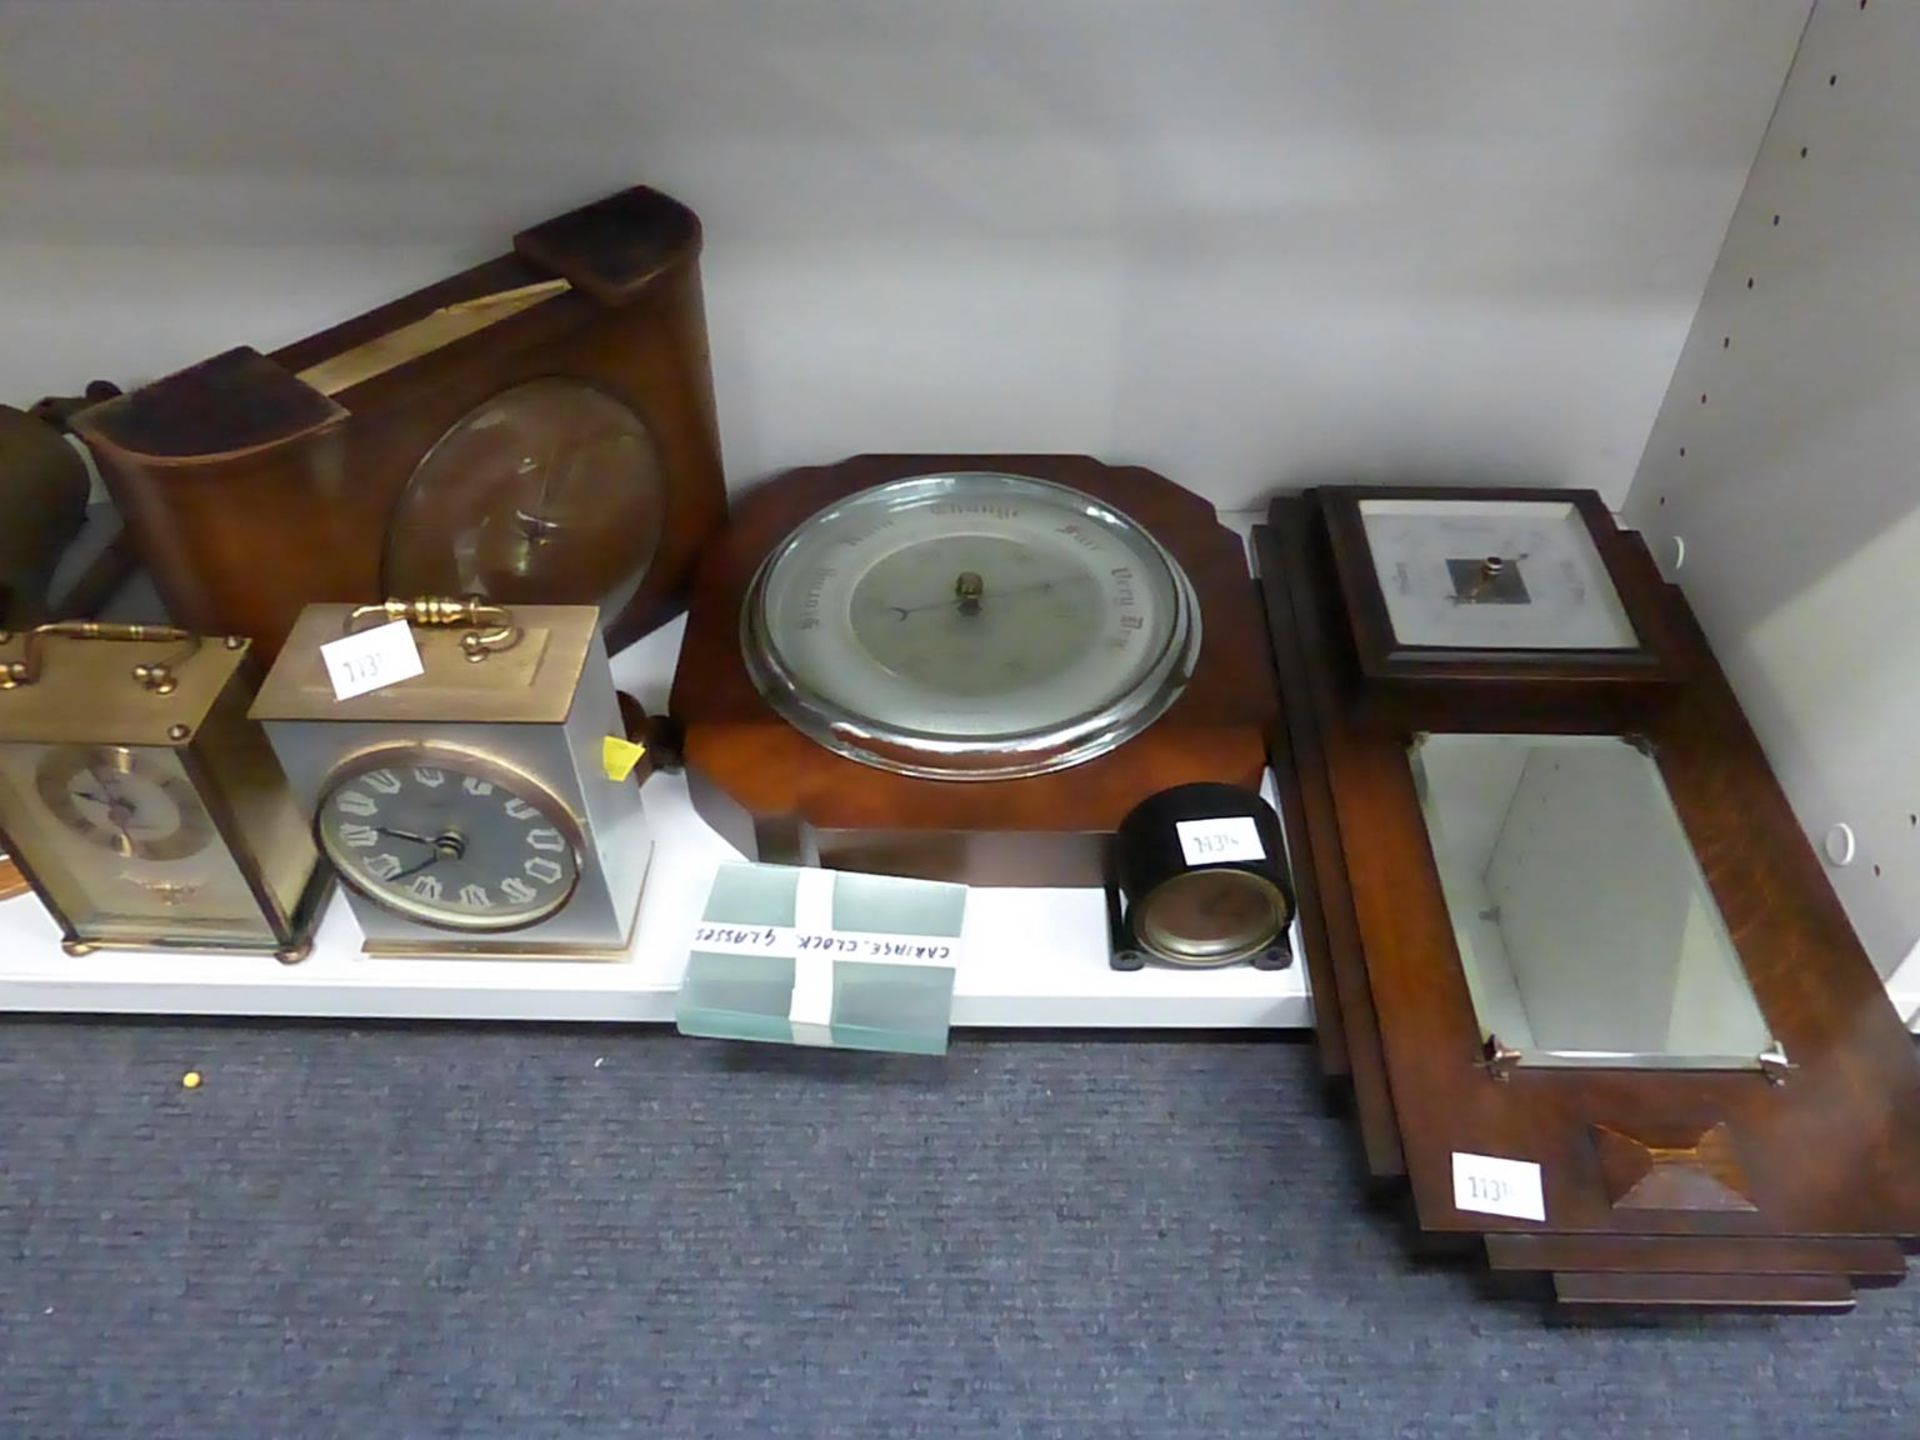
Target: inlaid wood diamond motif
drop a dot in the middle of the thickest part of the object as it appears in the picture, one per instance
(1703, 1174)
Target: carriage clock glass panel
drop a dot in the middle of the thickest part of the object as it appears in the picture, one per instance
(1585, 927)
(974, 625)
(127, 851)
(450, 838)
(1493, 575)
(140, 802)
(551, 491)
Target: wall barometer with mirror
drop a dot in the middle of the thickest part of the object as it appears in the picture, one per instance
(1602, 1011)
(966, 666)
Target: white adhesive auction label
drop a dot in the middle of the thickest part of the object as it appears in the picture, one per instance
(371, 660)
(1221, 841)
(1492, 1186)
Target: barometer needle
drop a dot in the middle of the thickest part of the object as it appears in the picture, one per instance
(903, 611)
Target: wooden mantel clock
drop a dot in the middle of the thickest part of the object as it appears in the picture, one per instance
(536, 430)
(1601, 1010)
(966, 667)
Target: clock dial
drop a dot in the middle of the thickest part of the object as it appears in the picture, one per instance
(449, 838)
(1493, 575)
(1212, 917)
(550, 493)
(132, 805)
(120, 842)
(970, 626)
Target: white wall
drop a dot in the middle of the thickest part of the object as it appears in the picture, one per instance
(1798, 497)
(1252, 243)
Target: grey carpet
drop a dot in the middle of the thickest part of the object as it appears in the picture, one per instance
(513, 1232)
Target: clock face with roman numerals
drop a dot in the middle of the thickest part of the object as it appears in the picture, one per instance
(448, 838)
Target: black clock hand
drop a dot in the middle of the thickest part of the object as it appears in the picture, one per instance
(405, 835)
(433, 859)
(106, 795)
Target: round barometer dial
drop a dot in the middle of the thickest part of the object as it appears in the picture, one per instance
(970, 626)
(550, 493)
(449, 838)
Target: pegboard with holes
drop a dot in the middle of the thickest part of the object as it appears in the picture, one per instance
(1781, 482)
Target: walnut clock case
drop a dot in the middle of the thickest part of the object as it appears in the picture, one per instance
(468, 810)
(966, 667)
(1595, 946)
(538, 429)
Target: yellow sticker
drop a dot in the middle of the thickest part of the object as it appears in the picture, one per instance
(618, 757)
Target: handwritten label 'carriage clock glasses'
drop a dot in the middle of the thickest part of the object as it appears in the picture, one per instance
(972, 625)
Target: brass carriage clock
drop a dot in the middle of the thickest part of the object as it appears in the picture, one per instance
(144, 807)
(469, 810)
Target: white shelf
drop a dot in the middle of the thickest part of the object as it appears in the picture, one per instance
(1033, 957)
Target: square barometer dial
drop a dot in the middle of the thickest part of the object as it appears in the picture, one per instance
(1493, 575)
(1528, 601)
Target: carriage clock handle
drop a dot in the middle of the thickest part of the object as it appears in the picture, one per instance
(157, 676)
(493, 629)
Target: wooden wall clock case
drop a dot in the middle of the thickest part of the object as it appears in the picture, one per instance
(1781, 1196)
(778, 795)
(258, 484)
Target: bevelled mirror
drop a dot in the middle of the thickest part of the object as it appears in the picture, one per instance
(1586, 930)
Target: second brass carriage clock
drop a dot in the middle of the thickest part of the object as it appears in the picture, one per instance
(469, 810)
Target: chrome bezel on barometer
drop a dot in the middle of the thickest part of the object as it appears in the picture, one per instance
(1149, 685)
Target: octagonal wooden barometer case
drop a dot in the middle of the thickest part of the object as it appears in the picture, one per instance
(966, 667)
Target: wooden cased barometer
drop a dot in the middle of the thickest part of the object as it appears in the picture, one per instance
(966, 667)
(1600, 1008)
